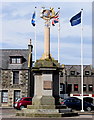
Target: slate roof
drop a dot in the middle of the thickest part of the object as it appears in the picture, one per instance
(5, 55)
(77, 67)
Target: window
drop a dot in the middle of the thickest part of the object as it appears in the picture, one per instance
(18, 60)
(75, 87)
(15, 60)
(72, 72)
(69, 88)
(84, 87)
(15, 77)
(61, 87)
(90, 87)
(16, 95)
(5, 96)
(87, 73)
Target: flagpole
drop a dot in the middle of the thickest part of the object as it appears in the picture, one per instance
(59, 37)
(35, 39)
(82, 110)
(35, 43)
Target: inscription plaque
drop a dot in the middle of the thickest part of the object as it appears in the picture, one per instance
(47, 85)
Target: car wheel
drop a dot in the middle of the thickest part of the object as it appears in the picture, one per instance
(21, 107)
(88, 108)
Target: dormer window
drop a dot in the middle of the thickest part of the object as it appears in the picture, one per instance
(15, 60)
(72, 72)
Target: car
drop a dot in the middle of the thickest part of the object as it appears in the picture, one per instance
(76, 104)
(23, 102)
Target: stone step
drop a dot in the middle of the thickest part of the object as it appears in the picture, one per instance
(61, 106)
(67, 114)
(41, 107)
(45, 111)
(65, 110)
(39, 115)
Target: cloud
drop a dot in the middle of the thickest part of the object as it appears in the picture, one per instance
(66, 30)
(17, 30)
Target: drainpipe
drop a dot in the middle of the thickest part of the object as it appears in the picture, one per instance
(30, 76)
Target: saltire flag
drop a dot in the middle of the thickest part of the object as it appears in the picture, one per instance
(75, 20)
(33, 19)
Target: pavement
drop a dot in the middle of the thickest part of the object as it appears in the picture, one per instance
(10, 114)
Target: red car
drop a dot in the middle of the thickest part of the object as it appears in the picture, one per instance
(23, 102)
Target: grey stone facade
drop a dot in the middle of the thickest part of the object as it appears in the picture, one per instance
(10, 89)
(70, 80)
(7, 84)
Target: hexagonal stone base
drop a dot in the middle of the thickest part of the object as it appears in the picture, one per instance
(43, 100)
(39, 113)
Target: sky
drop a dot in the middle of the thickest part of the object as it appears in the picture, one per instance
(17, 30)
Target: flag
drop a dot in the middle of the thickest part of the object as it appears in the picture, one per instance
(54, 21)
(75, 20)
(33, 19)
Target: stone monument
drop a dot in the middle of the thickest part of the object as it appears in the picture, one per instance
(46, 78)
(46, 70)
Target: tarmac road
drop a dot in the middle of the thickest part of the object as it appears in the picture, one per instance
(47, 118)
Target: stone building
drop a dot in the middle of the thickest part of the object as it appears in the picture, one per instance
(14, 80)
(70, 81)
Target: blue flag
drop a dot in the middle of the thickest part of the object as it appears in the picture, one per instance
(33, 19)
(75, 20)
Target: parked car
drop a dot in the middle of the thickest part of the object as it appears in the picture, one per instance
(23, 102)
(76, 103)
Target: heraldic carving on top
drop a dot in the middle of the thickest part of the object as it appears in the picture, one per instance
(47, 14)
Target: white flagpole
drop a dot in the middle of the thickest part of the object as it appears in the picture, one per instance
(82, 110)
(59, 37)
(35, 38)
(35, 43)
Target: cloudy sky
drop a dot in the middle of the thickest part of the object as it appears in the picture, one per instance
(17, 30)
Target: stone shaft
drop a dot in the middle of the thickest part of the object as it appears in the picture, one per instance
(46, 42)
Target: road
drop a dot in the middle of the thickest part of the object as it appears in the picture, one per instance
(9, 114)
(47, 119)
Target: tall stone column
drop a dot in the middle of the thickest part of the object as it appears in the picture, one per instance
(47, 42)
